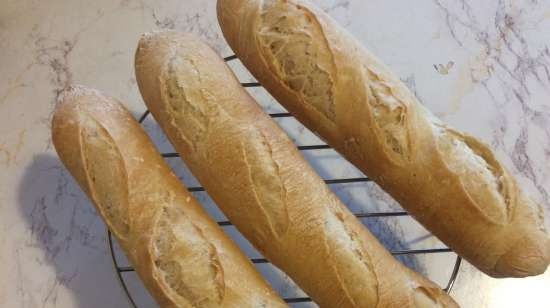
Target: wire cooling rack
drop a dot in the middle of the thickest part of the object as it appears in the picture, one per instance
(121, 270)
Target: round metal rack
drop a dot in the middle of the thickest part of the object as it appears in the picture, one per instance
(121, 270)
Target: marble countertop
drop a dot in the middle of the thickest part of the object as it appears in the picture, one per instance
(482, 66)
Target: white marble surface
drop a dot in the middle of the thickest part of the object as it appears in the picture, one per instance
(483, 66)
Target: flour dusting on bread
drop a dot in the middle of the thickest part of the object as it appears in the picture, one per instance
(107, 177)
(186, 261)
(292, 37)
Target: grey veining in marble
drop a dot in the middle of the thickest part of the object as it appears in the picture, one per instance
(482, 66)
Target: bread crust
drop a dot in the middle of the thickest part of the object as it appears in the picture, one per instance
(449, 181)
(180, 253)
(254, 172)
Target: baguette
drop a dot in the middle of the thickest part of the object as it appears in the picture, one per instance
(254, 172)
(449, 181)
(181, 254)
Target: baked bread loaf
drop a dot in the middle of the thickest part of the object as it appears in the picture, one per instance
(255, 174)
(449, 181)
(181, 254)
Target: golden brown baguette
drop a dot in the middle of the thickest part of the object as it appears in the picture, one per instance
(256, 175)
(449, 181)
(181, 254)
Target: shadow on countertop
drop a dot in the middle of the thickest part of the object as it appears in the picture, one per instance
(64, 225)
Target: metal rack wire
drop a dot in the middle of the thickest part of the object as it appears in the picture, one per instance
(121, 270)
